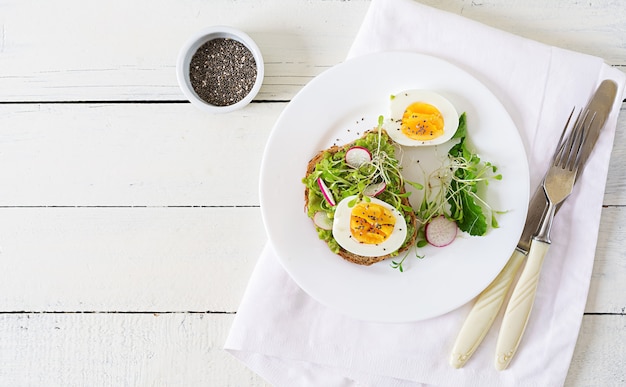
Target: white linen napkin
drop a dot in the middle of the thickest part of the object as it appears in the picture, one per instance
(291, 340)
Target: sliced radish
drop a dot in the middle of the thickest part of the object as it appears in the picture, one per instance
(440, 231)
(374, 189)
(326, 192)
(357, 156)
(322, 220)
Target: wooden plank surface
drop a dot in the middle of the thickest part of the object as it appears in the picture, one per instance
(140, 154)
(96, 349)
(185, 349)
(119, 50)
(130, 220)
(159, 154)
(127, 259)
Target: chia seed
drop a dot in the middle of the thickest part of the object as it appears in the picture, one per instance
(222, 71)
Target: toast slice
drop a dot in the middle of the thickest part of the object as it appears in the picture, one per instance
(409, 216)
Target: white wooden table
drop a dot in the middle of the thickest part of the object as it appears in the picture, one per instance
(130, 221)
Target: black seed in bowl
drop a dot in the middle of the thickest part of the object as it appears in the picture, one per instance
(222, 71)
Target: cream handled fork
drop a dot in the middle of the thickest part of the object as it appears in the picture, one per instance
(489, 302)
(557, 185)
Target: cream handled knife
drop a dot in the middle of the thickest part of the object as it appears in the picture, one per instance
(489, 302)
(484, 312)
(557, 185)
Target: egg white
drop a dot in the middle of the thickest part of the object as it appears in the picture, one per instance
(398, 104)
(341, 231)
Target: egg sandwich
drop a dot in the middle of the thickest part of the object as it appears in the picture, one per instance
(356, 197)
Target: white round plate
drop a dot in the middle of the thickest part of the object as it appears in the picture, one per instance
(337, 107)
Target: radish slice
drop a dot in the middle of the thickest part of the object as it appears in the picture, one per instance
(357, 156)
(374, 189)
(326, 192)
(322, 220)
(440, 231)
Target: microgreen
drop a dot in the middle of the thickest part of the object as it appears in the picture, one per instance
(344, 180)
(452, 189)
(398, 264)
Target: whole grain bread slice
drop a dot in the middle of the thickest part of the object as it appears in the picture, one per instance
(354, 258)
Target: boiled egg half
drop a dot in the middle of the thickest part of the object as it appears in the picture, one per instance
(368, 227)
(421, 117)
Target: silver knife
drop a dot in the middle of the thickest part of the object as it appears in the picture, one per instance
(489, 302)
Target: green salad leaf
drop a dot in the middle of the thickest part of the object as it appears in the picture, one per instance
(466, 207)
(344, 181)
(453, 190)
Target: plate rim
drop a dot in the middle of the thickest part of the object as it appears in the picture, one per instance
(320, 78)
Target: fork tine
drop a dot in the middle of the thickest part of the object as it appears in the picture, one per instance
(578, 139)
(574, 142)
(567, 154)
(557, 186)
(559, 146)
(583, 137)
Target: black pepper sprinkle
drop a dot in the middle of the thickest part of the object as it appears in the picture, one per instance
(222, 71)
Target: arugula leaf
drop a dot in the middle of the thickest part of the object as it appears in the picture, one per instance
(452, 190)
(464, 210)
(466, 207)
(461, 131)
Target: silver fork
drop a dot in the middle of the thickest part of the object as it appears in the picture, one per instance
(557, 185)
(559, 180)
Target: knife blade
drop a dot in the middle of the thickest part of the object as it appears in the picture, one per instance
(557, 185)
(600, 104)
(489, 301)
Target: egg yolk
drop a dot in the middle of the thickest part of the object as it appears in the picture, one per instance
(422, 121)
(371, 223)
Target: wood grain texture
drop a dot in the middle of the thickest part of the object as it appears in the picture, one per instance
(185, 349)
(591, 27)
(607, 291)
(124, 51)
(129, 221)
(131, 154)
(598, 359)
(120, 51)
(164, 154)
(615, 194)
(127, 259)
(176, 259)
(96, 349)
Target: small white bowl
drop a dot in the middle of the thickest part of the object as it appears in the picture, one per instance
(190, 48)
